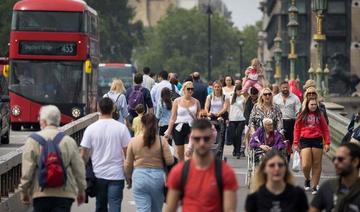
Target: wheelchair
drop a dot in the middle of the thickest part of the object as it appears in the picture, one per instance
(254, 157)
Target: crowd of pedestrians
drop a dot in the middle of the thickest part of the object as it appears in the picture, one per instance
(163, 127)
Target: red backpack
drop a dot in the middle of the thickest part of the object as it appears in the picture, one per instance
(51, 169)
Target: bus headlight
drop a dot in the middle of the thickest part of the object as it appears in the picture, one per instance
(75, 112)
(16, 110)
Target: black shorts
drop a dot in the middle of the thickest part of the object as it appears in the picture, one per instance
(182, 137)
(311, 143)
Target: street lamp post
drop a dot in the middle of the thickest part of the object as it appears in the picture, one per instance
(293, 31)
(241, 44)
(209, 13)
(319, 7)
(277, 54)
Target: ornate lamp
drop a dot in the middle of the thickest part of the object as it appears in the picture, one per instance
(293, 32)
(277, 55)
(319, 7)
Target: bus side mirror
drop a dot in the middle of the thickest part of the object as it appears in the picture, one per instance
(88, 67)
(5, 71)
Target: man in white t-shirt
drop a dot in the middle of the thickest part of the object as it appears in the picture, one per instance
(148, 82)
(105, 142)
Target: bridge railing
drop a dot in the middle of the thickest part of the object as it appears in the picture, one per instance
(10, 166)
(338, 129)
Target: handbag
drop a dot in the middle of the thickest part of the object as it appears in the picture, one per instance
(167, 168)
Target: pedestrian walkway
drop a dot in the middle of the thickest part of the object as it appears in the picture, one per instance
(240, 168)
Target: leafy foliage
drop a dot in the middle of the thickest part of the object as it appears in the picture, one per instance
(179, 43)
(118, 35)
(5, 24)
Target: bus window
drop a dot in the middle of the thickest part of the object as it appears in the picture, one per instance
(47, 21)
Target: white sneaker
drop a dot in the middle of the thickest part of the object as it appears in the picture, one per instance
(314, 190)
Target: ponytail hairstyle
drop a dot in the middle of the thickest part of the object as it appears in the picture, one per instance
(166, 98)
(149, 123)
(237, 88)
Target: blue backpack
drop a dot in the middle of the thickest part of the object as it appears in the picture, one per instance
(52, 172)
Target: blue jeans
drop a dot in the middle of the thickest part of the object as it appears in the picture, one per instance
(148, 189)
(109, 192)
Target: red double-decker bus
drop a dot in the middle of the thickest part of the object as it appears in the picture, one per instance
(54, 57)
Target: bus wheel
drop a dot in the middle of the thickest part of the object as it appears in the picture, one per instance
(15, 127)
(5, 139)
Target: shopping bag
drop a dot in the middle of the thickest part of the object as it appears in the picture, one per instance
(296, 162)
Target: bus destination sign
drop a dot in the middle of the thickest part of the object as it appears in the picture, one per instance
(48, 48)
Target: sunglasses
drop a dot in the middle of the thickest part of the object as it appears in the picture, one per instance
(338, 158)
(205, 138)
(312, 93)
(267, 94)
(190, 89)
(280, 165)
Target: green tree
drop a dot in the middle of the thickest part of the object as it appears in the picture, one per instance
(179, 43)
(5, 24)
(118, 35)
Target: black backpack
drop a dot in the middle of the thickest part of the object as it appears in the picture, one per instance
(173, 94)
(218, 175)
(116, 114)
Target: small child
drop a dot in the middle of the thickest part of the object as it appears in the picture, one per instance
(137, 125)
(252, 76)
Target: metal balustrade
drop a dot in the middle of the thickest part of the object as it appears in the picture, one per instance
(10, 166)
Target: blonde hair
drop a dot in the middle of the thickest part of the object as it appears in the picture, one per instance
(309, 83)
(260, 102)
(117, 85)
(255, 62)
(221, 90)
(187, 83)
(260, 178)
(317, 98)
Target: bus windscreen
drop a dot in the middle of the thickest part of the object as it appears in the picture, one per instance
(107, 74)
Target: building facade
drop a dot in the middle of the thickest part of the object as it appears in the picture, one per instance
(151, 11)
(342, 47)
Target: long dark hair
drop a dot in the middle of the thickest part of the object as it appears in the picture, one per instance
(224, 80)
(166, 98)
(305, 112)
(149, 123)
(237, 88)
(260, 177)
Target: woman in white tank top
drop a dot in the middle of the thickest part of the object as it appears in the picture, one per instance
(185, 109)
(216, 104)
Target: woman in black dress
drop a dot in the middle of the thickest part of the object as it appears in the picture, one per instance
(273, 187)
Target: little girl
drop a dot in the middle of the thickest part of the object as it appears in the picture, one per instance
(252, 76)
